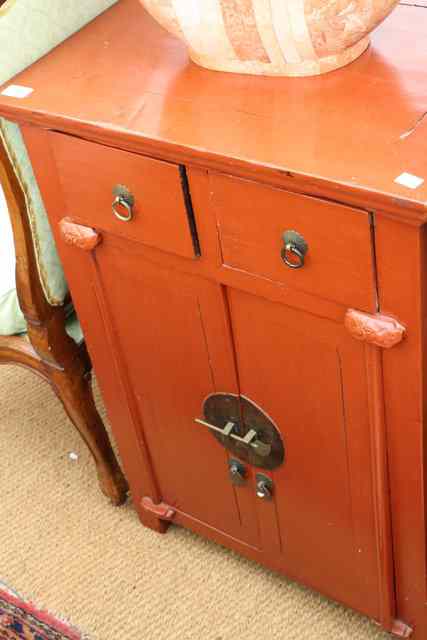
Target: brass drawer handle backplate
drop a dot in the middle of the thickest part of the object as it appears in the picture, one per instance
(264, 486)
(123, 203)
(295, 249)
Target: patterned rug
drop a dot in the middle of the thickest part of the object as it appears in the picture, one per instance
(21, 620)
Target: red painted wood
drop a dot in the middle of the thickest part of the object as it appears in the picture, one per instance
(309, 375)
(98, 334)
(379, 330)
(170, 373)
(381, 487)
(162, 511)
(164, 331)
(403, 292)
(402, 630)
(76, 235)
(159, 214)
(333, 135)
(272, 540)
(252, 219)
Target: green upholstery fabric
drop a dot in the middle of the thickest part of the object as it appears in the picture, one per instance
(13, 322)
(50, 269)
(11, 319)
(31, 28)
(74, 329)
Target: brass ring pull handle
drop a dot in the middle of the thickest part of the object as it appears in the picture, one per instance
(295, 249)
(264, 486)
(250, 439)
(123, 203)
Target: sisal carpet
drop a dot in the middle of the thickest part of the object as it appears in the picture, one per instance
(63, 546)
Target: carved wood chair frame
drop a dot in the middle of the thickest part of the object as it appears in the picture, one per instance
(47, 350)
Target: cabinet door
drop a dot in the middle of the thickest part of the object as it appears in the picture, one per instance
(173, 344)
(309, 376)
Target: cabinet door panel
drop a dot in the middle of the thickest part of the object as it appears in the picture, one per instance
(309, 376)
(160, 319)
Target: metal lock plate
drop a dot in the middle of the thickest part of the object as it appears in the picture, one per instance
(244, 430)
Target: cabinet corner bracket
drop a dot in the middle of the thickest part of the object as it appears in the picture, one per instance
(401, 629)
(161, 510)
(377, 329)
(77, 235)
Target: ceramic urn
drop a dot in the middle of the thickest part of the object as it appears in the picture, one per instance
(272, 37)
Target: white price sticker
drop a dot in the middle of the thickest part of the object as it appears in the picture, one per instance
(17, 91)
(409, 180)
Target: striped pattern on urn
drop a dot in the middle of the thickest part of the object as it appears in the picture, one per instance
(273, 37)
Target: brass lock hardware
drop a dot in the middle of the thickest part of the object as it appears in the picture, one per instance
(242, 428)
(295, 249)
(123, 203)
(264, 486)
(249, 439)
(237, 472)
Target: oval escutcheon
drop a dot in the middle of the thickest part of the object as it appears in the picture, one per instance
(220, 409)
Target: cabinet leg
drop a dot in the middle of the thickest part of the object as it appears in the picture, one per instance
(75, 392)
(157, 516)
(151, 521)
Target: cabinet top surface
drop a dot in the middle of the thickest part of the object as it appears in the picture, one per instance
(124, 81)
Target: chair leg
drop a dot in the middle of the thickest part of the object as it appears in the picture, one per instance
(75, 392)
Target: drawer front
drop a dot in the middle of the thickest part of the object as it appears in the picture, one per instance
(253, 218)
(89, 172)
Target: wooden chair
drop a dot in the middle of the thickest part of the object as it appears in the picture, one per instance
(38, 328)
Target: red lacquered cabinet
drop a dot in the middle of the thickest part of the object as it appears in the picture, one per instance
(254, 304)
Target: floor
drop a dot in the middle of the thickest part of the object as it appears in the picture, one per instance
(63, 545)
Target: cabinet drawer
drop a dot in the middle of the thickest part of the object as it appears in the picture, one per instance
(89, 172)
(252, 219)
